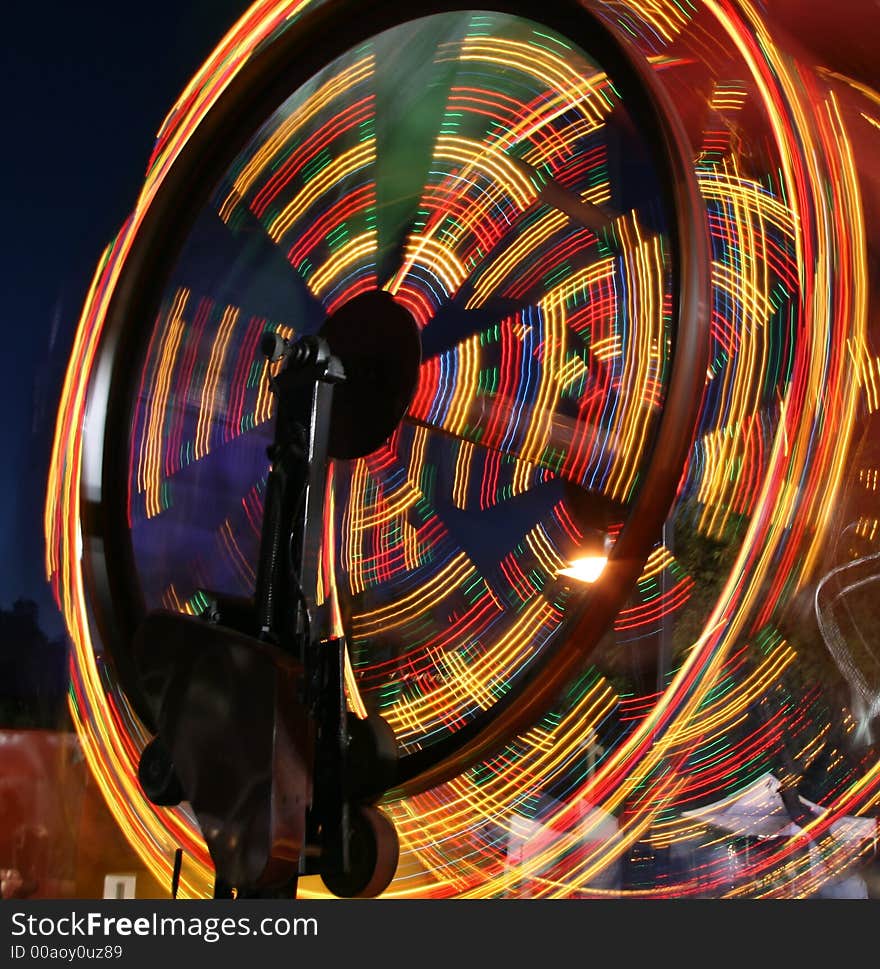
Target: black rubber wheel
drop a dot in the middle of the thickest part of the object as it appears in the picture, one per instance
(374, 851)
(157, 776)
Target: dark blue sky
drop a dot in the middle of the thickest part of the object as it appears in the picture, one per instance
(85, 88)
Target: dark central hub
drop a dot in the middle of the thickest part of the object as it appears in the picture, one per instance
(380, 348)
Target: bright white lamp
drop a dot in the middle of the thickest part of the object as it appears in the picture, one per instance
(588, 567)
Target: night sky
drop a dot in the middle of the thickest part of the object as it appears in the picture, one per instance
(86, 87)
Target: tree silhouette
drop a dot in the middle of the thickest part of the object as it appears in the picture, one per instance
(33, 671)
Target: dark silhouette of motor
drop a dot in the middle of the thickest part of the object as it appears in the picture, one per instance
(248, 698)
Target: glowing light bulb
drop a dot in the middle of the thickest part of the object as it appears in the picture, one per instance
(586, 569)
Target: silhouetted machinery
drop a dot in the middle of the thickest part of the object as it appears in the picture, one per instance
(249, 699)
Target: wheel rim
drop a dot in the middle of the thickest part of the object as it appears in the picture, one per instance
(111, 559)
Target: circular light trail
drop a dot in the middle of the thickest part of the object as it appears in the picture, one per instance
(559, 389)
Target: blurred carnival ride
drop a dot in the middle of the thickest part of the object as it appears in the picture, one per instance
(632, 237)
